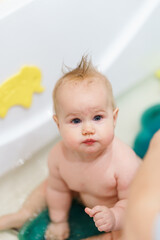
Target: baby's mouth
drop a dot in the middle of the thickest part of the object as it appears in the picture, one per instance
(89, 141)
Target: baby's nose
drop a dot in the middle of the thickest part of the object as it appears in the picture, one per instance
(88, 129)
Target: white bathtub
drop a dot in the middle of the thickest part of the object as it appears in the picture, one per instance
(121, 36)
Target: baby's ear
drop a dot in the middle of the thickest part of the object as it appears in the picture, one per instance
(55, 118)
(115, 115)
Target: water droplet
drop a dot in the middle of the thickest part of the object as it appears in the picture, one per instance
(20, 162)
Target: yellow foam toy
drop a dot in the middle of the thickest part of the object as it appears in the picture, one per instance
(157, 73)
(18, 89)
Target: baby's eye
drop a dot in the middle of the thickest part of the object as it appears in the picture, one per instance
(76, 121)
(97, 118)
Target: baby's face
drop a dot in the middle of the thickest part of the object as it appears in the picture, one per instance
(85, 117)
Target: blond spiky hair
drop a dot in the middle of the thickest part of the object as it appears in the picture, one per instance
(84, 71)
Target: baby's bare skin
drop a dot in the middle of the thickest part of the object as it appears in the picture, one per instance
(102, 183)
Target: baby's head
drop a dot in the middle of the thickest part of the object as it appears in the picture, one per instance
(85, 109)
(84, 75)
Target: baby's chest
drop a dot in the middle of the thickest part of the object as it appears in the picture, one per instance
(90, 179)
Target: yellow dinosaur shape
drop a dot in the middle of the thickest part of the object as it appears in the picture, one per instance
(157, 74)
(18, 89)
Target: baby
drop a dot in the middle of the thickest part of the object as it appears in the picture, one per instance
(89, 163)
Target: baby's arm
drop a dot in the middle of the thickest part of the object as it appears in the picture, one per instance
(59, 199)
(109, 219)
(125, 172)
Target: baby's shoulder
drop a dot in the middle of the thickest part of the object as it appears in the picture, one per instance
(125, 153)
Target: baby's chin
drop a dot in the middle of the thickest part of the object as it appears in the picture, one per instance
(93, 149)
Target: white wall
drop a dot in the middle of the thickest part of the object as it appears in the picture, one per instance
(121, 36)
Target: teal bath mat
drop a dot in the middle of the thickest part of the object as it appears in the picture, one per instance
(150, 123)
(81, 225)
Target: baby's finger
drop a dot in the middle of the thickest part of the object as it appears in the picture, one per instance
(96, 210)
(107, 227)
(88, 211)
(100, 222)
(104, 228)
(98, 216)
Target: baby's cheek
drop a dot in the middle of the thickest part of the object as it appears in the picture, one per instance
(70, 138)
(107, 136)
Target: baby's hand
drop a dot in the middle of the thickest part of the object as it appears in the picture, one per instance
(103, 217)
(57, 231)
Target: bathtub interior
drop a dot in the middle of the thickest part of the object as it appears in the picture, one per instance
(38, 40)
(29, 174)
(118, 54)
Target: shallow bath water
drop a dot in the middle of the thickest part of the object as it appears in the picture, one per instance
(16, 185)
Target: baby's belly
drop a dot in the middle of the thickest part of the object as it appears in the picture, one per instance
(91, 201)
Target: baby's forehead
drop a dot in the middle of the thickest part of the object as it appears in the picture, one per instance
(86, 83)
